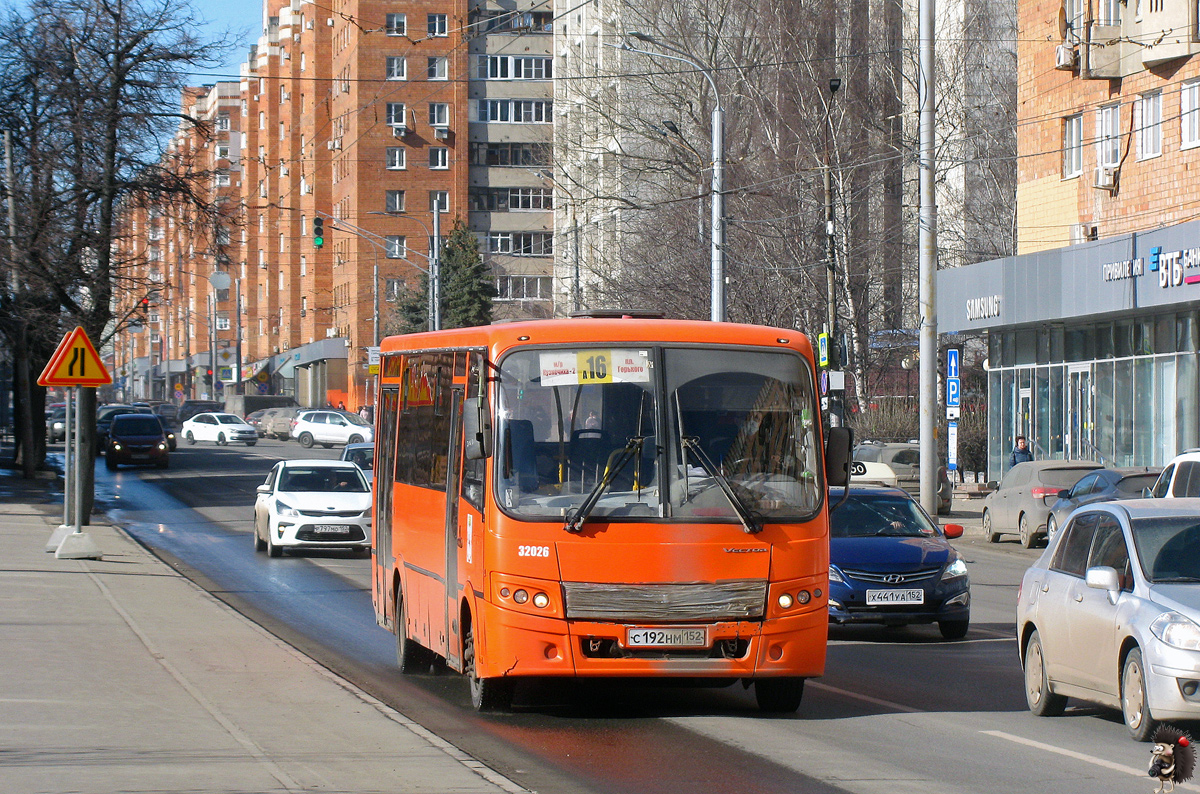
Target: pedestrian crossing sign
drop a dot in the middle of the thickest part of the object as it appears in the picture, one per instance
(75, 363)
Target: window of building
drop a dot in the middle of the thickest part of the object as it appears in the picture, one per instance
(530, 198)
(1189, 114)
(395, 246)
(439, 201)
(397, 68)
(515, 288)
(394, 200)
(222, 151)
(510, 154)
(521, 111)
(439, 157)
(1150, 126)
(395, 114)
(437, 69)
(1072, 146)
(436, 25)
(439, 114)
(396, 158)
(222, 179)
(507, 67)
(521, 243)
(1108, 135)
(223, 122)
(396, 25)
(391, 290)
(1109, 12)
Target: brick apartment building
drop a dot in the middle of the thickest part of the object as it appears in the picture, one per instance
(371, 116)
(1093, 328)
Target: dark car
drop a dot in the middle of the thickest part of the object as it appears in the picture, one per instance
(890, 564)
(254, 419)
(190, 408)
(168, 412)
(136, 438)
(1020, 503)
(104, 418)
(1102, 485)
(168, 432)
(56, 425)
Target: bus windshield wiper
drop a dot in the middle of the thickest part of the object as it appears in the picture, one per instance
(750, 522)
(632, 449)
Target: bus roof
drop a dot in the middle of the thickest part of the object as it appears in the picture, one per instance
(501, 336)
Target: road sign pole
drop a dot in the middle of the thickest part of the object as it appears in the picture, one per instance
(65, 527)
(78, 545)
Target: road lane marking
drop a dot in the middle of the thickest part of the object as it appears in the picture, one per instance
(864, 698)
(1090, 759)
(931, 643)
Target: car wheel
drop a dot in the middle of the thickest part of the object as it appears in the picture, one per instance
(487, 694)
(992, 536)
(954, 629)
(1026, 533)
(272, 549)
(778, 695)
(1134, 707)
(191, 439)
(355, 440)
(109, 463)
(1042, 702)
(306, 440)
(221, 441)
(410, 656)
(259, 543)
(1051, 527)
(251, 443)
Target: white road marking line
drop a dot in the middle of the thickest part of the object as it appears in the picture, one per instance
(864, 698)
(930, 643)
(1090, 759)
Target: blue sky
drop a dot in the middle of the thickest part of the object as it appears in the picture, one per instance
(243, 18)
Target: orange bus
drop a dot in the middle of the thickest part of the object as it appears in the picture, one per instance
(617, 497)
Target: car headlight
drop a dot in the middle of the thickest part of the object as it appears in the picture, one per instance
(285, 509)
(1176, 630)
(116, 447)
(954, 570)
(835, 575)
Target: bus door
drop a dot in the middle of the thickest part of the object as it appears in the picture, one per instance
(454, 538)
(383, 554)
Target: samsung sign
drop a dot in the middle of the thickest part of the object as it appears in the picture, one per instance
(983, 308)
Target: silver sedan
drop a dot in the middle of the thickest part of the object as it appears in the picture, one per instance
(1110, 613)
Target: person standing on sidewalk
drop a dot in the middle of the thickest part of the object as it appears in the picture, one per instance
(1020, 453)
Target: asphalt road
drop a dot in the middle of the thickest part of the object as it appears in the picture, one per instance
(898, 710)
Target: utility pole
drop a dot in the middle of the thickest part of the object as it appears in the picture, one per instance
(835, 364)
(435, 267)
(928, 262)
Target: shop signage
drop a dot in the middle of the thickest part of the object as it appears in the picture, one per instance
(983, 308)
(1172, 266)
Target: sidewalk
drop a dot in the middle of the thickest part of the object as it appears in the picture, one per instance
(120, 675)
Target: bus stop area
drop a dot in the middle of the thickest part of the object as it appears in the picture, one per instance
(121, 675)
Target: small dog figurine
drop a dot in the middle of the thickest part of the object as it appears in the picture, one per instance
(1173, 758)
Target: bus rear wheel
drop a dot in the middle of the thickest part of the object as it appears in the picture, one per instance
(410, 656)
(779, 695)
(487, 694)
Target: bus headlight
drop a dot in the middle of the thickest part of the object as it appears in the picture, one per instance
(785, 601)
(541, 600)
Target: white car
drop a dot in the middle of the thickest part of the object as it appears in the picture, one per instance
(221, 428)
(1180, 478)
(331, 427)
(1110, 613)
(313, 504)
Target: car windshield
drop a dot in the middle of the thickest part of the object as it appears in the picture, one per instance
(229, 419)
(566, 418)
(323, 479)
(882, 515)
(363, 457)
(136, 426)
(1168, 548)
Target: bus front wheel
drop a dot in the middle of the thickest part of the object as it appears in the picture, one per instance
(779, 695)
(487, 694)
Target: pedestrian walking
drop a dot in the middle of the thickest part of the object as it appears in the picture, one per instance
(1021, 453)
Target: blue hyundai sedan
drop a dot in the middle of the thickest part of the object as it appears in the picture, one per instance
(890, 564)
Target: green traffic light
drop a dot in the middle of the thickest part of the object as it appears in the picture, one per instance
(318, 241)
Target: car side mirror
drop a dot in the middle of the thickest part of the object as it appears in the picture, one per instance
(1147, 492)
(477, 429)
(263, 489)
(952, 531)
(838, 445)
(1102, 577)
(1065, 493)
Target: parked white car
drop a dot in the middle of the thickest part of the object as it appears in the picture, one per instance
(331, 427)
(1110, 613)
(220, 428)
(1180, 478)
(313, 504)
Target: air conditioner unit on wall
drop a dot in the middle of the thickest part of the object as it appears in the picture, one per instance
(334, 143)
(1064, 57)
(1083, 233)
(399, 130)
(441, 133)
(1106, 177)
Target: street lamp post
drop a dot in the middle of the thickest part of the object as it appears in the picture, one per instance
(835, 362)
(718, 168)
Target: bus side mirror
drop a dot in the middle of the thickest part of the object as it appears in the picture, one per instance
(477, 429)
(838, 444)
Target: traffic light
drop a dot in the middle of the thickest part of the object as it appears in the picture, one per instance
(318, 232)
(208, 377)
(144, 308)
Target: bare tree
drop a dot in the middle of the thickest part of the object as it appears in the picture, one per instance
(90, 90)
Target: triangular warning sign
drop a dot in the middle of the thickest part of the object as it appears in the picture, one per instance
(75, 363)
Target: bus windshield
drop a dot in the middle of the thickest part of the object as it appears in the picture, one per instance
(682, 419)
